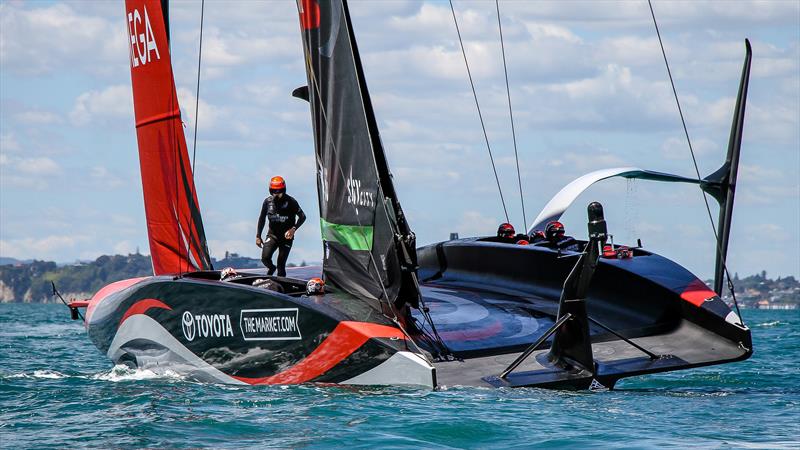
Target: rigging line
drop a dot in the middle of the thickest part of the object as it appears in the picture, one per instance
(511, 114)
(194, 144)
(176, 154)
(696, 168)
(197, 92)
(480, 116)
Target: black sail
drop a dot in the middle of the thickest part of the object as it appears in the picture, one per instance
(369, 249)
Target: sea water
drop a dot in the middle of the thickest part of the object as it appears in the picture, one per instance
(57, 391)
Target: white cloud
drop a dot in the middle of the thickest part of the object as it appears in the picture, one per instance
(37, 166)
(96, 107)
(42, 39)
(104, 178)
(546, 31)
(677, 148)
(48, 247)
(124, 248)
(38, 118)
(210, 117)
(218, 247)
(476, 223)
(8, 143)
(27, 173)
(759, 185)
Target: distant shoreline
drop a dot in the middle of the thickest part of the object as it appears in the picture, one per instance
(30, 281)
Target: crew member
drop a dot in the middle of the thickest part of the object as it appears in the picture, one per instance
(506, 233)
(228, 274)
(315, 286)
(270, 285)
(554, 233)
(285, 217)
(537, 236)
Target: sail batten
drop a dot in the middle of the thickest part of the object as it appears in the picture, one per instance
(362, 225)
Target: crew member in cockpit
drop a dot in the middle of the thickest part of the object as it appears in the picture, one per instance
(555, 237)
(506, 233)
(285, 217)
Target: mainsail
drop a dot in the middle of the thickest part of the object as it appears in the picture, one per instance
(369, 250)
(174, 225)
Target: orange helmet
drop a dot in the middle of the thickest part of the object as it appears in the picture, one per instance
(315, 286)
(277, 185)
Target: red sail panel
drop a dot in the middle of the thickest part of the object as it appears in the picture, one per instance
(174, 225)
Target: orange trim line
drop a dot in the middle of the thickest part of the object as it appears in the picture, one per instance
(142, 306)
(697, 292)
(345, 339)
(175, 114)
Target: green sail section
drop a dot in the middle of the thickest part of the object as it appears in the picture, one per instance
(355, 237)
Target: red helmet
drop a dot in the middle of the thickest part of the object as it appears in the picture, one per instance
(506, 230)
(315, 286)
(277, 185)
(554, 230)
(522, 242)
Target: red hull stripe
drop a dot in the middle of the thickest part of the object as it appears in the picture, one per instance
(697, 292)
(346, 338)
(142, 306)
(108, 290)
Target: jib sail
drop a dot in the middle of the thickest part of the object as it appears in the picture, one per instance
(174, 225)
(369, 250)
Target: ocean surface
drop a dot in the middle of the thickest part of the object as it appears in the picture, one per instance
(57, 391)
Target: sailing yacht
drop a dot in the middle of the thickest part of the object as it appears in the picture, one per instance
(470, 311)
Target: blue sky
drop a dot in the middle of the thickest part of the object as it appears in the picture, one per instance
(588, 85)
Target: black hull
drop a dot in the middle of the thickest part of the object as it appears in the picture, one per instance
(489, 302)
(514, 292)
(235, 333)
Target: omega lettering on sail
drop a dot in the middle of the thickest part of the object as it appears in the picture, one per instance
(142, 39)
(277, 324)
(205, 325)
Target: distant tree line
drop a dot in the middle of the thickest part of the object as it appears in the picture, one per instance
(32, 281)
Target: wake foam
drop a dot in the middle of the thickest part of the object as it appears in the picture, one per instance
(124, 373)
(44, 374)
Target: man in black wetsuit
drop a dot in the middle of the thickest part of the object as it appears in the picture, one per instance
(285, 217)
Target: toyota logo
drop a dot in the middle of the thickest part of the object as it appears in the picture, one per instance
(187, 323)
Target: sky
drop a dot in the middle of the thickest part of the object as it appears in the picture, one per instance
(587, 83)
